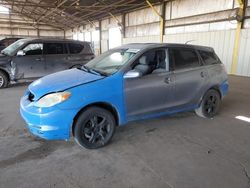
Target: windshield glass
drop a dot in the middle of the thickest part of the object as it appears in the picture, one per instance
(11, 49)
(111, 61)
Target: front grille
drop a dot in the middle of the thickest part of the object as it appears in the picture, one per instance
(31, 97)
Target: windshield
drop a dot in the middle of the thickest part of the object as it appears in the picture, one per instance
(111, 61)
(11, 49)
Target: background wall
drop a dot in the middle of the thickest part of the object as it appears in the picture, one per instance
(210, 23)
(11, 25)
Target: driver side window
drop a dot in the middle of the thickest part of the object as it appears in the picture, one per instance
(33, 49)
(152, 62)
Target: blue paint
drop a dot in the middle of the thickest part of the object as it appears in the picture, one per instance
(61, 81)
(224, 87)
(55, 122)
(50, 123)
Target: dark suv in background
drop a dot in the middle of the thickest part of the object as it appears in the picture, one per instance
(34, 58)
(6, 42)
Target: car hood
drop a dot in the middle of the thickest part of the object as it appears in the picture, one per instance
(61, 81)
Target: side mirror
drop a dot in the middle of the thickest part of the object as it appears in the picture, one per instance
(20, 53)
(132, 74)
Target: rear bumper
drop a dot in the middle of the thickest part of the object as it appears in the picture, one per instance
(50, 124)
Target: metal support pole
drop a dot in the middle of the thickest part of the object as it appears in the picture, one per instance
(38, 32)
(100, 34)
(124, 25)
(237, 38)
(161, 20)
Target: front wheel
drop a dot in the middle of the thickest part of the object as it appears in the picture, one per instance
(210, 104)
(3, 80)
(94, 128)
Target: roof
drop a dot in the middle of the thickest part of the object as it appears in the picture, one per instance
(143, 46)
(52, 40)
(66, 14)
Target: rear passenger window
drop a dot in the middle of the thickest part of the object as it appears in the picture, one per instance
(184, 58)
(55, 48)
(75, 48)
(209, 58)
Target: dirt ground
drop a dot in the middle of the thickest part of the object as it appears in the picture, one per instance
(176, 151)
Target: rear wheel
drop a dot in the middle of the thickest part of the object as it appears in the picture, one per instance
(94, 128)
(210, 104)
(3, 80)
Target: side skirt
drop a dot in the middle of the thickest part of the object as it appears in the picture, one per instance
(164, 113)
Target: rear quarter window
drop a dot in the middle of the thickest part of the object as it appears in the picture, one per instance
(75, 48)
(209, 58)
(55, 48)
(184, 58)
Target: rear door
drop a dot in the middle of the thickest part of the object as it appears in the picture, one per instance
(31, 64)
(56, 55)
(190, 76)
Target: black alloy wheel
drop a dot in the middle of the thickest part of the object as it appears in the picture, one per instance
(94, 128)
(210, 104)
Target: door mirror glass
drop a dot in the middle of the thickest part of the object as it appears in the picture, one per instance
(132, 74)
(20, 53)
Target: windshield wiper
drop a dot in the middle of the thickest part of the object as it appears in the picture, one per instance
(101, 73)
(86, 69)
(93, 71)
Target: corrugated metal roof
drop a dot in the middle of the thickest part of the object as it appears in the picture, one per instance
(67, 14)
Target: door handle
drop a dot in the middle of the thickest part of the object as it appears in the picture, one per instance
(39, 59)
(167, 80)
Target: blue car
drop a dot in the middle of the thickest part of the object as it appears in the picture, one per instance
(132, 82)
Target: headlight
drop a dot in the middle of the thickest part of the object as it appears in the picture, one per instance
(52, 99)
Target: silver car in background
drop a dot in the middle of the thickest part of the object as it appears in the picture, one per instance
(34, 58)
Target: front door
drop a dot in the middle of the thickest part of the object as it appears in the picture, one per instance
(31, 63)
(152, 92)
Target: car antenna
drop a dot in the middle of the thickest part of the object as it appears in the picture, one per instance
(189, 41)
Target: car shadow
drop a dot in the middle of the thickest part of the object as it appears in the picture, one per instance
(19, 84)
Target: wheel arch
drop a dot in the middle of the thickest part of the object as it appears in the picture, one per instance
(103, 105)
(215, 87)
(5, 72)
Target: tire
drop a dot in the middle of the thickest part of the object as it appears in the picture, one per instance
(94, 128)
(4, 81)
(210, 104)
